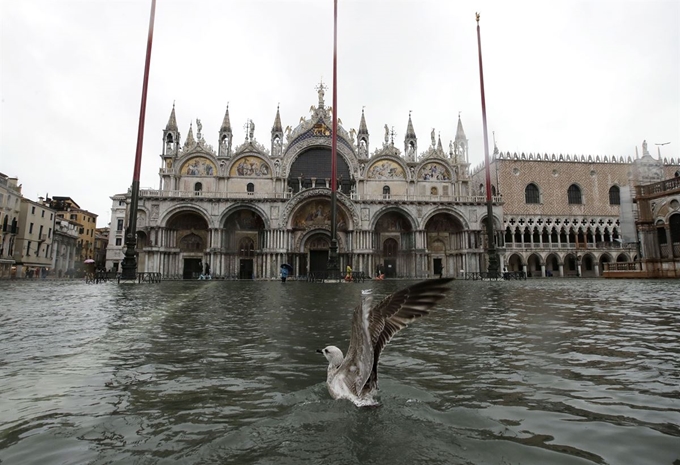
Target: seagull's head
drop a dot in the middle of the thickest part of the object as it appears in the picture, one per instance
(332, 354)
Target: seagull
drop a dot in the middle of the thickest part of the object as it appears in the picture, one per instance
(355, 376)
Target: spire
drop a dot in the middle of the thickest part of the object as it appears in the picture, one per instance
(277, 122)
(190, 137)
(363, 137)
(172, 121)
(410, 132)
(363, 129)
(439, 143)
(460, 144)
(460, 134)
(226, 123)
(410, 140)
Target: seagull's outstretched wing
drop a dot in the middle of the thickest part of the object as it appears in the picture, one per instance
(395, 312)
(358, 363)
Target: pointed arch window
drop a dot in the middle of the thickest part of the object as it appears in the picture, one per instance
(614, 195)
(250, 188)
(386, 192)
(531, 194)
(574, 195)
(246, 247)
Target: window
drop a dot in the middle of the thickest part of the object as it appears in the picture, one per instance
(674, 224)
(198, 187)
(51, 216)
(40, 232)
(119, 241)
(386, 192)
(574, 195)
(42, 213)
(614, 195)
(33, 210)
(121, 203)
(47, 251)
(30, 229)
(73, 216)
(531, 194)
(49, 233)
(82, 230)
(120, 224)
(28, 249)
(390, 247)
(250, 188)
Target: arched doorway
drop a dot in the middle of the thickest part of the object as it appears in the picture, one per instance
(515, 263)
(242, 238)
(445, 240)
(534, 266)
(317, 247)
(394, 236)
(191, 236)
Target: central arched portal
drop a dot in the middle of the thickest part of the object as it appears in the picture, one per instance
(446, 240)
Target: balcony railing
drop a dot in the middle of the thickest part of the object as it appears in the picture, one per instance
(476, 199)
(658, 187)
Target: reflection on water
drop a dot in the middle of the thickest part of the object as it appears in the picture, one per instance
(530, 372)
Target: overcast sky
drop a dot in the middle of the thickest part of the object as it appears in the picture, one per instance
(571, 77)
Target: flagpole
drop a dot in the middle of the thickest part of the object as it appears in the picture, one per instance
(129, 265)
(491, 243)
(333, 266)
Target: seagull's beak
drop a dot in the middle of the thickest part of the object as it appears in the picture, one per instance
(319, 351)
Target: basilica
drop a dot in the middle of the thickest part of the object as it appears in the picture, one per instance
(244, 209)
(414, 210)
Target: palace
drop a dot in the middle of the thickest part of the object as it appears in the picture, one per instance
(243, 210)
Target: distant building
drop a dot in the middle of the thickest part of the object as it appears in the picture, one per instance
(33, 248)
(659, 227)
(101, 242)
(570, 215)
(65, 247)
(67, 208)
(10, 209)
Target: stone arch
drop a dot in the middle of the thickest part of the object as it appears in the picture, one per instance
(387, 167)
(534, 263)
(552, 264)
(623, 257)
(396, 209)
(198, 164)
(604, 258)
(588, 262)
(570, 264)
(515, 262)
(303, 244)
(184, 207)
(241, 225)
(309, 194)
(191, 231)
(250, 165)
(450, 210)
(314, 162)
(315, 213)
(244, 206)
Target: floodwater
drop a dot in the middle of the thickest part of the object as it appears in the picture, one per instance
(553, 371)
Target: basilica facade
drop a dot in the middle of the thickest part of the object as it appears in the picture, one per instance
(244, 209)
